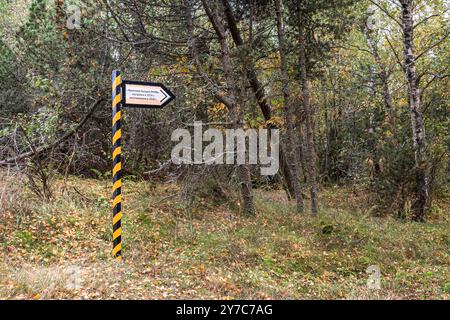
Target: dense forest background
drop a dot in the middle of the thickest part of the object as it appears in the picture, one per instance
(359, 90)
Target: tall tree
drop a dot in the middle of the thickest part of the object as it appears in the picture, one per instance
(370, 32)
(288, 104)
(235, 94)
(311, 156)
(417, 124)
(246, 54)
(312, 19)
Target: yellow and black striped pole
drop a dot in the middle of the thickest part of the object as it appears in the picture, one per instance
(117, 164)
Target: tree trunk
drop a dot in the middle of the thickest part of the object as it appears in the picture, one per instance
(290, 150)
(384, 77)
(309, 122)
(59, 15)
(235, 93)
(257, 89)
(326, 161)
(300, 149)
(418, 128)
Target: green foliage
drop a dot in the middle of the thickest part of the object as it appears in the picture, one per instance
(38, 37)
(25, 238)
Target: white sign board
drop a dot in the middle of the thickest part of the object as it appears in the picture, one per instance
(146, 95)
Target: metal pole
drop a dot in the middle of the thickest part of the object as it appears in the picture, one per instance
(117, 164)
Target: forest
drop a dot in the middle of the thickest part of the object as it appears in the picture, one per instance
(349, 100)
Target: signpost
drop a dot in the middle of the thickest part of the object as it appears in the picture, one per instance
(129, 94)
(139, 94)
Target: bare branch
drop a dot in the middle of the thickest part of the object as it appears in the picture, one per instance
(424, 20)
(395, 54)
(38, 150)
(386, 12)
(432, 47)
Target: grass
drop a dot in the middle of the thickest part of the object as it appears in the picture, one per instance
(62, 249)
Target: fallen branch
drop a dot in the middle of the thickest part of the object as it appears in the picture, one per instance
(38, 150)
